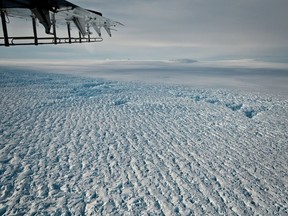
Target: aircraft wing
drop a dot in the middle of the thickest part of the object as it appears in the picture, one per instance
(63, 10)
(29, 4)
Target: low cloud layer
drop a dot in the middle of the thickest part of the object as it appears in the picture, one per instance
(243, 74)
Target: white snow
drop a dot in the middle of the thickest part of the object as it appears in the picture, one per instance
(81, 146)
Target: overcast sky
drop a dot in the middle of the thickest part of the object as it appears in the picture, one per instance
(170, 29)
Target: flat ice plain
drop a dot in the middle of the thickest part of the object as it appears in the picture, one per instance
(72, 145)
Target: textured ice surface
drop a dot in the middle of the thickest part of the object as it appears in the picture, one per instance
(79, 146)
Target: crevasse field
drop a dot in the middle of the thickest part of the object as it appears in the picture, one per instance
(72, 145)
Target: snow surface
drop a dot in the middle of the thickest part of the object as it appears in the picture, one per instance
(82, 146)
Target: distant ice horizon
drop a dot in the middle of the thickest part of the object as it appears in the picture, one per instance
(242, 74)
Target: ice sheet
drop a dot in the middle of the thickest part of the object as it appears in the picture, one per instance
(82, 146)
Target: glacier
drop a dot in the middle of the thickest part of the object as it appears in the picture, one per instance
(74, 145)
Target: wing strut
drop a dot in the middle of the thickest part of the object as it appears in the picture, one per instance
(35, 30)
(69, 32)
(54, 28)
(88, 33)
(80, 37)
(4, 26)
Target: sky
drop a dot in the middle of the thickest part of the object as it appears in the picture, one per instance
(167, 29)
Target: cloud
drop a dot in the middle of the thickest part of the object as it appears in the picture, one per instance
(244, 74)
(184, 61)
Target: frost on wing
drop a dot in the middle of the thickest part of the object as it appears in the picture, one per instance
(99, 21)
(83, 19)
